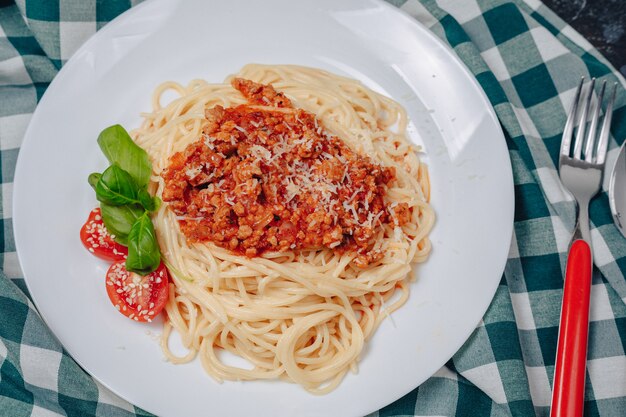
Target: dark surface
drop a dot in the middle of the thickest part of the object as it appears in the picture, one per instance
(601, 22)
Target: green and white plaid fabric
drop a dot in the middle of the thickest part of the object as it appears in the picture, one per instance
(529, 62)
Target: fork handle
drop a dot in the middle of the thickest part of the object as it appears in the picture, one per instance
(571, 358)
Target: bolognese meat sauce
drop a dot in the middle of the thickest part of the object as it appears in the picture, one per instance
(266, 176)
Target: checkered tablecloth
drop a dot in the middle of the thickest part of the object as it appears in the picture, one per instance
(528, 61)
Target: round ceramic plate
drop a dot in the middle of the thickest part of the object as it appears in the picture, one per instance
(110, 80)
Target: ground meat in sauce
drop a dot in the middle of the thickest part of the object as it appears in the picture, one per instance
(266, 176)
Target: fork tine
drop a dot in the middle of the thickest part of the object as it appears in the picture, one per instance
(582, 122)
(593, 127)
(603, 142)
(569, 124)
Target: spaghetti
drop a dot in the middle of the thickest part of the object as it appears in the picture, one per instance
(296, 306)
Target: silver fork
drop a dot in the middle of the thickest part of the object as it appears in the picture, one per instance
(581, 173)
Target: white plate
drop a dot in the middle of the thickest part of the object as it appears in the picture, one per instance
(110, 80)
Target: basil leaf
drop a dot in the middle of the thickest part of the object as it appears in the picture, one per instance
(116, 187)
(119, 219)
(93, 179)
(143, 248)
(146, 200)
(119, 148)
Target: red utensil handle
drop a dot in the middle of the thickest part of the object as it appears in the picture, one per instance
(571, 358)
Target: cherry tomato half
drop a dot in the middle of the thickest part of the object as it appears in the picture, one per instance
(140, 298)
(99, 241)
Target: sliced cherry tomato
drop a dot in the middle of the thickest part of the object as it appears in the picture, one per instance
(138, 298)
(99, 241)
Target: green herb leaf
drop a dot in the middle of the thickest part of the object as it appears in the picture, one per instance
(119, 219)
(146, 200)
(119, 148)
(122, 190)
(143, 248)
(93, 179)
(116, 187)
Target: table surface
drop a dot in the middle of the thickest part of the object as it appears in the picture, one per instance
(601, 22)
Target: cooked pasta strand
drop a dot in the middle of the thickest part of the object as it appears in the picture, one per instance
(305, 316)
